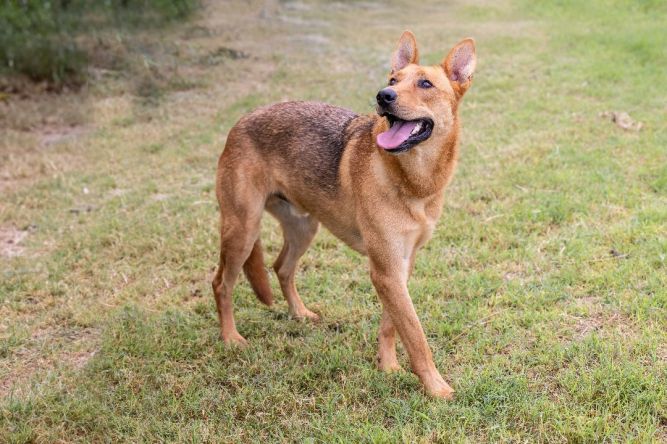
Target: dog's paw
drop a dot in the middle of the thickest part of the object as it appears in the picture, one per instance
(305, 315)
(388, 366)
(443, 393)
(386, 361)
(234, 340)
(438, 388)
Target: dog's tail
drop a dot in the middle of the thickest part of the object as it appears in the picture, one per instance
(257, 275)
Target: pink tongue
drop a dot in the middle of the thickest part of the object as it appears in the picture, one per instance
(396, 135)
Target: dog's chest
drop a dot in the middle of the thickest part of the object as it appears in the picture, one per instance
(424, 214)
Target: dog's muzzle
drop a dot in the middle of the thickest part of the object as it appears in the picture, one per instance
(386, 97)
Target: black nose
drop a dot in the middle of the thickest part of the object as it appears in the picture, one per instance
(386, 96)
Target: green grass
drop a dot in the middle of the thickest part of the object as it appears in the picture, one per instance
(107, 324)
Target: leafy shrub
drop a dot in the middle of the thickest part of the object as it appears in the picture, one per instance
(41, 38)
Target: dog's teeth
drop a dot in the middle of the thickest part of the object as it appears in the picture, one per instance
(416, 129)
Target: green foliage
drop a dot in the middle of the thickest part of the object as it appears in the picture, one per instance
(41, 38)
(33, 41)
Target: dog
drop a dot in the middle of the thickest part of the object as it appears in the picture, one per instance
(376, 182)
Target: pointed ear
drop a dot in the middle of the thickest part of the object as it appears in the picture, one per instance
(406, 52)
(460, 65)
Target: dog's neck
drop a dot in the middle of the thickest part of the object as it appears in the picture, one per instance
(427, 168)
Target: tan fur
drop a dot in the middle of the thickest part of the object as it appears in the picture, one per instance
(382, 205)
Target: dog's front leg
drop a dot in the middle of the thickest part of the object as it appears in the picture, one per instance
(389, 277)
(386, 357)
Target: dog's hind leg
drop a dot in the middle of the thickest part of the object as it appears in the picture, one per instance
(298, 232)
(237, 240)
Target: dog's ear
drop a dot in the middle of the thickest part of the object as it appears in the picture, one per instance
(460, 65)
(406, 52)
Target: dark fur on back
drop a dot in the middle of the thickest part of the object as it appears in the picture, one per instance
(314, 132)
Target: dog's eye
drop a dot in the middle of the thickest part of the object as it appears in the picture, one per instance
(392, 81)
(424, 84)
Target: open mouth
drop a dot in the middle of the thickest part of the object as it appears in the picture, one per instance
(404, 134)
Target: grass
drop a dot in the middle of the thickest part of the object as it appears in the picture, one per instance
(543, 291)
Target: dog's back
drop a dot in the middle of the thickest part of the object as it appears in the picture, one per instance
(304, 137)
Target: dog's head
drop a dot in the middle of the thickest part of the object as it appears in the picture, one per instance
(420, 102)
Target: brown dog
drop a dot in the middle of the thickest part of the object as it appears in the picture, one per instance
(377, 182)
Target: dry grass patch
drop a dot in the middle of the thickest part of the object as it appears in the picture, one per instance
(590, 315)
(10, 241)
(49, 350)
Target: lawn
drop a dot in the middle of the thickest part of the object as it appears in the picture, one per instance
(543, 292)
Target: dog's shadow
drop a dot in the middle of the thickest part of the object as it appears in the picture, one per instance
(279, 322)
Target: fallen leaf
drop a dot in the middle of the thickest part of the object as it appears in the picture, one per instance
(617, 253)
(622, 120)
